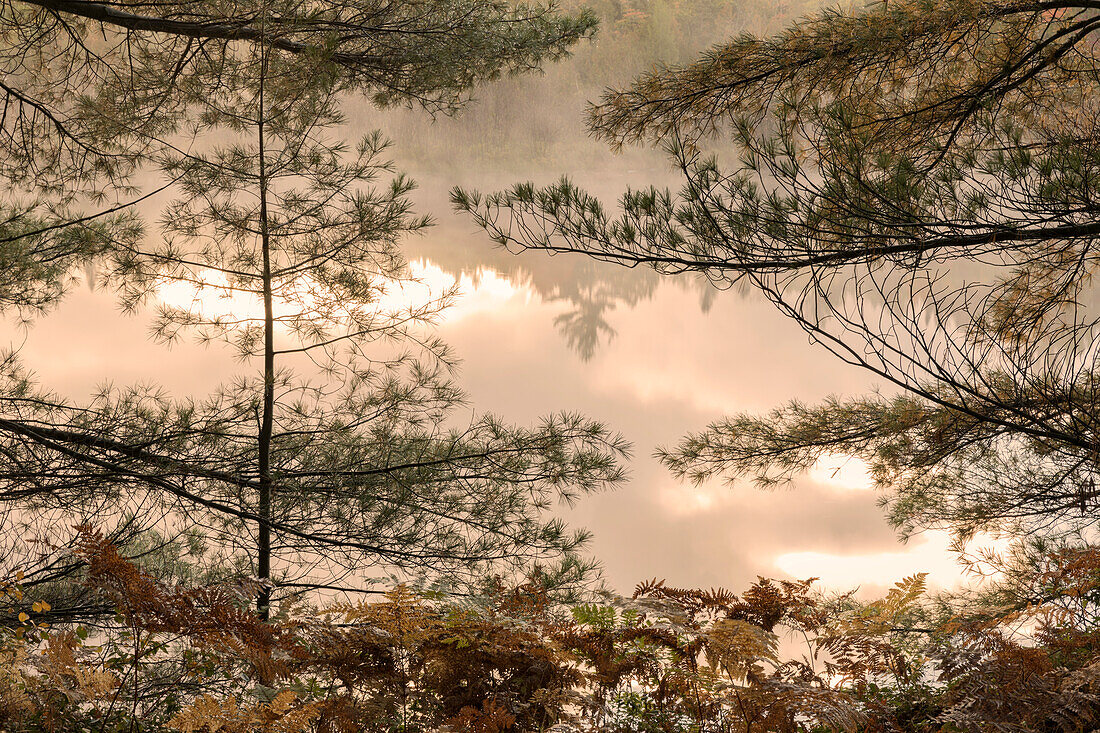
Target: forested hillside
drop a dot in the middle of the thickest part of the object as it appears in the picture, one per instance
(535, 122)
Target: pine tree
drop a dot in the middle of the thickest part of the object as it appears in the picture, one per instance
(914, 184)
(356, 463)
(90, 91)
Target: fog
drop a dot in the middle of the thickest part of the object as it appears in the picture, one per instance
(653, 357)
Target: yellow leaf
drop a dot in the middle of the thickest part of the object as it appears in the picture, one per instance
(283, 702)
(23, 617)
(737, 646)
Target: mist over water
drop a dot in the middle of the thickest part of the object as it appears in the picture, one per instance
(653, 357)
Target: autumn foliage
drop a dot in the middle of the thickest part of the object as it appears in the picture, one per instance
(781, 656)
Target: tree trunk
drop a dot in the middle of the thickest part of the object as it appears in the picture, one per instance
(266, 489)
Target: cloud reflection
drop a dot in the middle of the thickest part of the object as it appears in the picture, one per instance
(873, 573)
(671, 369)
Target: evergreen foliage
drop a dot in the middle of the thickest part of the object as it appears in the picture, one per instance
(912, 182)
(92, 90)
(340, 459)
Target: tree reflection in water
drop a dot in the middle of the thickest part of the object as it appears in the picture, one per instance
(589, 291)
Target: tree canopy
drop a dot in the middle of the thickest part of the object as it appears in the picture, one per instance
(91, 90)
(339, 459)
(913, 183)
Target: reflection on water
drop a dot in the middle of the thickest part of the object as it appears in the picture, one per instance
(653, 357)
(586, 323)
(679, 359)
(591, 293)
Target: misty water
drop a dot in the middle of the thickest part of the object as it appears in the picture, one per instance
(654, 358)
